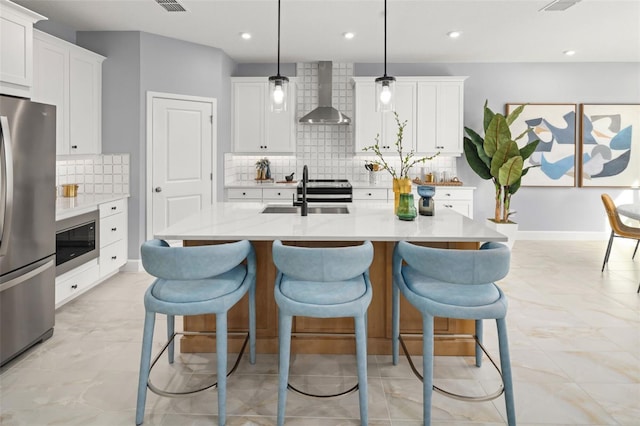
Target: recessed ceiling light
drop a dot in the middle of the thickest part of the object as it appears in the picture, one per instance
(454, 34)
(348, 35)
(245, 36)
(569, 52)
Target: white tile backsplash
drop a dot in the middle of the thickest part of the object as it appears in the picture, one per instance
(100, 174)
(328, 150)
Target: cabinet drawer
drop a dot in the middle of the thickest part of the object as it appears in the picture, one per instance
(462, 207)
(446, 193)
(112, 229)
(245, 193)
(76, 281)
(285, 194)
(112, 257)
(114, 207)
(369, 194)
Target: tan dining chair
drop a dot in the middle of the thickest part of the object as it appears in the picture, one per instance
(618, 229)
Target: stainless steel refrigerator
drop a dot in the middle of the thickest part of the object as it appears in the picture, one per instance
(27, 224)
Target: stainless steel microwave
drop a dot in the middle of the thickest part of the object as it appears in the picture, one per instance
(77, 241)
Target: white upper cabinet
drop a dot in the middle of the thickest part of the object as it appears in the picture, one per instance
(367, 121)
(255, 128)
(70, 77)
(16, 48)
(432, 106)
(440, 116)
(370, 123)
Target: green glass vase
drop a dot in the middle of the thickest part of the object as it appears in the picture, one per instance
(406, 207)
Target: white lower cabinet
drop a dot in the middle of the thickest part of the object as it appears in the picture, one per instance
(458, 199)
(278, 194)
(113, 236)
(76, 281)
(244, 194)
(361, 194)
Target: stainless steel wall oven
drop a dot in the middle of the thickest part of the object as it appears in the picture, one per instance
(76, 241)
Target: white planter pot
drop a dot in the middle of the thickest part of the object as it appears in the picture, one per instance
(510, 230)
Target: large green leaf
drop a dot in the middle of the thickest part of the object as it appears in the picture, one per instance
(511, 171)
(529, 149)
(502, 155)
(488, 116)
(514, 114)
(497, 134)
(473, 158)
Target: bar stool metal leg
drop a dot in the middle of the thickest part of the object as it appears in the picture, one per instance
(221, 349)
(361, 354)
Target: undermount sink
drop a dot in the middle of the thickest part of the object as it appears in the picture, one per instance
(311, 209)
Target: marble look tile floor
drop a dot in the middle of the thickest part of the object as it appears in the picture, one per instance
(574, 338)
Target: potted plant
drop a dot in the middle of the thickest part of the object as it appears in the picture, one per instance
(498, 157)
(400, 175)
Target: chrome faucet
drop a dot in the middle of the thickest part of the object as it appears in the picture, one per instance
(304, 205)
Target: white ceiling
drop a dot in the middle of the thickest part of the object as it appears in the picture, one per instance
(492, 31)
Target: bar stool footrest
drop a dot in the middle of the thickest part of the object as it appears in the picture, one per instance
(166, 393)
(484, 398)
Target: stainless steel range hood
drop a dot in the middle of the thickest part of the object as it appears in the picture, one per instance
(325, 113)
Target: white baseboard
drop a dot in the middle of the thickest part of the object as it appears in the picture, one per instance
(562, 236)
(132, 265)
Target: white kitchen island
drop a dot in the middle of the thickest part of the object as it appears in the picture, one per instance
(376, 222)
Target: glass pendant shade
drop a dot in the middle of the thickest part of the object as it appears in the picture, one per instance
(278, 93)
(385, 93)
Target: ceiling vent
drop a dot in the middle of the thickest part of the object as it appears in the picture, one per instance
(171, 5)
(559, 5)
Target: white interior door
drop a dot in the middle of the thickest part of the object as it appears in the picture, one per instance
(182, 154)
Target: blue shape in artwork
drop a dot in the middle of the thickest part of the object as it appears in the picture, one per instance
(558, 169)
(564, 135)
(615, 166)
(622, 140)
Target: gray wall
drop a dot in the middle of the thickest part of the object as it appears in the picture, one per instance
(140, 62)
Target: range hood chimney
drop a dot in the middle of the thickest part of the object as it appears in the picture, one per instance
(325, 113)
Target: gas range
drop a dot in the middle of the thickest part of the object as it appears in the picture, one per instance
(327, 191)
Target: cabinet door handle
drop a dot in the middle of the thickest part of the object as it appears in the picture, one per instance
(114, 208)
(75, 286)
(158, 189)
(114, 257)
(244, 193)
(448, 194)
(74, 146)
(279, 193)
(369, 194)
(114, 229)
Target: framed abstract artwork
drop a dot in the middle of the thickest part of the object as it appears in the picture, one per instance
(554, 125)
(610, 145)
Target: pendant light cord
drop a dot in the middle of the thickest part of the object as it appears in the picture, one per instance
(278, 74)
(385, 37)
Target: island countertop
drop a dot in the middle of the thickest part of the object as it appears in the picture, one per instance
(365, 221)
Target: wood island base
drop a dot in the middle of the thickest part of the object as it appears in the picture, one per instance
(330, 335)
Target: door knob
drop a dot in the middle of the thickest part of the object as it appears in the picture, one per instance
(158, 189)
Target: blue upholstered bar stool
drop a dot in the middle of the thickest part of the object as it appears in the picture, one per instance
(193, 281)
(322, 283)
(453, 284)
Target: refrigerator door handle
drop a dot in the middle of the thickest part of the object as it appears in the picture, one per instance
(27, 276)
(6, 191)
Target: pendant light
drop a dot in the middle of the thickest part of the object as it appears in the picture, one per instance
(278, 84)
(385, 85)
